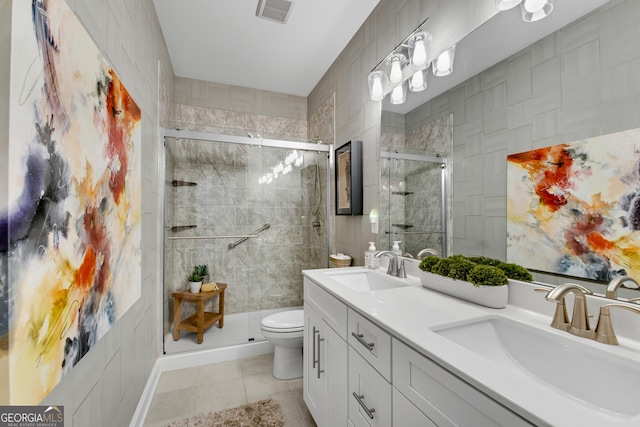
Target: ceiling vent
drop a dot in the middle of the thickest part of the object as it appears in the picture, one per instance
(275, 10)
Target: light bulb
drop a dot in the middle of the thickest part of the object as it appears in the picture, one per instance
(417, 82)
(443, 64)
(376, 87)
(397, 95)
(506, 4)
(533, 6)
(395, 75)
(419, 52)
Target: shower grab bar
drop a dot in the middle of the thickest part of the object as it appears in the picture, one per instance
(254, 234)
(414, 232)
(244, 236)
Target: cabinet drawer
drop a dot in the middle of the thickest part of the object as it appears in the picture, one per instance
(369, 394)
(372, 342)
(332, 310)
(443, 397)
(405, 414)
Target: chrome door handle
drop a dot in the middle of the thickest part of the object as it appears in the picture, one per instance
(320, 371)
(360, 338)
(360, 398)
(315, 331)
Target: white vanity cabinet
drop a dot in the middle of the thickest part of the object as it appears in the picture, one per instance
(357, 373)
(444, 398)
(325, 356)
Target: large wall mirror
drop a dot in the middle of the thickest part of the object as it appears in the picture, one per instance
(516, 87)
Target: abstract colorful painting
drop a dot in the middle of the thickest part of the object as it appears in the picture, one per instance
(574, 209)
(71, 227)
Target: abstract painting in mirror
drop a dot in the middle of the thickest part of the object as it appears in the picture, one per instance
(574, 208)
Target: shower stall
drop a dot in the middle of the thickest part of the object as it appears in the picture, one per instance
(413, 202)
(255, 212)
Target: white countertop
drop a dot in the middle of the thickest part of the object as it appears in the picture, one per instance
(409, 312)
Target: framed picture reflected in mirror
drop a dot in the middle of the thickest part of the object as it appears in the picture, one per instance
(348, 170)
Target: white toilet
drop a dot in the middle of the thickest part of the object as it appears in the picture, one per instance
(285, 331)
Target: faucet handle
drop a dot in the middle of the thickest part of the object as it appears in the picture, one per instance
(604, 330)
(560, 317)
(391, 268)
(402, 272)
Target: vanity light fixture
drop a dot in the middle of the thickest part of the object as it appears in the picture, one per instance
(418, 81)
(420, 48)
(377, 82)
(532, 10)
(405, 68)
(398, 94)
(396, 61)
(443, 64)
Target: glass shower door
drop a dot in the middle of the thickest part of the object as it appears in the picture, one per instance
(413, 203)
(242, 188)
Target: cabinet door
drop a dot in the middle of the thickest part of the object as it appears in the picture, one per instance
(314, 385)
(334, 363)
(369, 394)
(325, 379)
(442, 396)
(405, 414)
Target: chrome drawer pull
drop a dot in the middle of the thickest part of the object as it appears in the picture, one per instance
(360, 338)
(315, 331)
(359, 398)
(320, 371)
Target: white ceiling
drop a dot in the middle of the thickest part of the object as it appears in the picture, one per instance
(223, 41)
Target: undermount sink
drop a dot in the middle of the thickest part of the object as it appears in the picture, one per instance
(597, 378)
(366, 281)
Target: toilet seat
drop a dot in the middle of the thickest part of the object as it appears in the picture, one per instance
(284, 322)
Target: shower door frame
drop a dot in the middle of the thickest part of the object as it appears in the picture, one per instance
(244, 140)
(443, 164)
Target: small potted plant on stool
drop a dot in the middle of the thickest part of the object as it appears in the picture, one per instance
(203, 271)
(195, 282)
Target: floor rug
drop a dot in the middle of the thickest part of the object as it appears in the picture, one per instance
(263, 413)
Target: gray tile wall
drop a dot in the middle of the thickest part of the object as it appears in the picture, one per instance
(104, 387)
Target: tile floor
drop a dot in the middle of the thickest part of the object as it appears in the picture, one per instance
(186, 392)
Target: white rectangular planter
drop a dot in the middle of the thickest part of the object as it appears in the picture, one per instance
(489, 296)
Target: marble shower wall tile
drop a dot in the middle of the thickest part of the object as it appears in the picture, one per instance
(226, 122)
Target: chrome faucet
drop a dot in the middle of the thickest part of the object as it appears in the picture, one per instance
(425, 252)
(394, 268)
(580, 319)
(614, 284)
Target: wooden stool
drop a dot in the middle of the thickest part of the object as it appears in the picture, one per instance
(201, 320)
